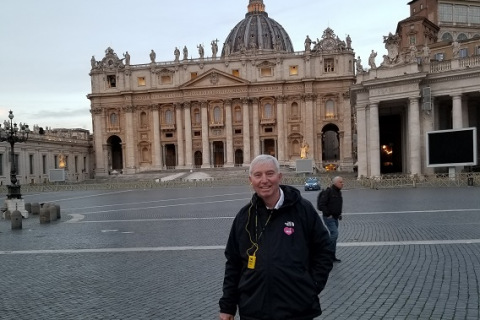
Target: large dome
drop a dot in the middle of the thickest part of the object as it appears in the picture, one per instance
(257, 33)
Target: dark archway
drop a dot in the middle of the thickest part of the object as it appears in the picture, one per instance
(269, 147)
(330, 143)
(238, 157)
(115, 154)
(198, 160)
(170, 156)
(218, 159)
(390, 144)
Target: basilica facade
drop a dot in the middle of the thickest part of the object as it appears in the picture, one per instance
(256, 95)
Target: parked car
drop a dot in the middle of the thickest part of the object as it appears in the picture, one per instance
(312, 184)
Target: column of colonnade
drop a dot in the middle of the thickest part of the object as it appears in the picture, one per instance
(100, 158)
(246, 133)
(256, 128)
(309, 120)
(229, 133)
(374, 140)
(362, 156)
(281, 138)
(414, 136)
(457, 115)
(129, 140)
(188, 135)
(205, 142)
(180, 144)
(156, 148)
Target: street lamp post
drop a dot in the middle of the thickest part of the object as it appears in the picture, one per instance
(12, 134)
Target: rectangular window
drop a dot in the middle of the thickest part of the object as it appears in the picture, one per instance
(169, 135)
(30, 163)
(1, 164)
(463, 53)
(460, 14)
(268, 130)
(76, 164)
(474, 15)
(55, 162)
(84, 164)
(44, 164)
(413, 40)
(266, 72)
(238, 131)
(165, 79)
(329, 65)
(478, 51)
(293, 70)
(236, 72)
(193, 75)
(197, 134)
(111, 81)
(141, 81)
(445, 12)
(439, 56)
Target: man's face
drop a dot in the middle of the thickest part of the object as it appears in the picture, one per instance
(265, 181)
(339, 184)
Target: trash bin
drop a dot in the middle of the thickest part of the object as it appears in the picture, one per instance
(16, 218)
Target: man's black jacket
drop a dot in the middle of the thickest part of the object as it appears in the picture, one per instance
(292, 261)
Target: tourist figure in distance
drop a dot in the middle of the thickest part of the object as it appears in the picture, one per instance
(278, 252)
(330, 202)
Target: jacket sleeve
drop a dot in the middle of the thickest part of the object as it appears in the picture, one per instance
(321, 256)
(323, 202)
(233, 268)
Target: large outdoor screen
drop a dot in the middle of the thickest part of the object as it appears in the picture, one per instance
(449, 148)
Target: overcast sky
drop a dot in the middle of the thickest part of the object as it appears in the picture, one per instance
(46, 45)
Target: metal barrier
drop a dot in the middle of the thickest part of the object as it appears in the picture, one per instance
(350, 182)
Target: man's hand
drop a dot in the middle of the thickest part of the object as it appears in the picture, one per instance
(226, 316)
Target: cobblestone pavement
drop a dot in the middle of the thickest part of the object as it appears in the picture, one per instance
(158, 254)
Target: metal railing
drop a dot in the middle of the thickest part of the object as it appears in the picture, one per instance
(350, 182)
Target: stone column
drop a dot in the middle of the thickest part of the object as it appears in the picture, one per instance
(374, 141)
(346, 156)
(256, 128)
(129, 140)
(188, 135)
(457, 115)
(414, 135)
(229, 133)
(180, 142)
(309, 121)
(100, 156)
(246, 133)
(157, 147)
(205, 129)
(362, 158)
(281, 138)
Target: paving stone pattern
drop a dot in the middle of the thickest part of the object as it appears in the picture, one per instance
(158, 254)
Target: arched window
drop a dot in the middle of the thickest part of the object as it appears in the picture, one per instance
(113, 119)
(217, 116)
(238, 114)
(268, 112)
(143, 119)
(196, 116)
(294, 110)
(330, 109)
(462, 36)
(169, 117)
(447, 36)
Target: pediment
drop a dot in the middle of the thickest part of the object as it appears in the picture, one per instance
(214, 78)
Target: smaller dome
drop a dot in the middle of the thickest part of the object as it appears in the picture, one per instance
(257, 32)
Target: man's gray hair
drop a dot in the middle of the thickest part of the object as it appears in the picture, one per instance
(261, 159)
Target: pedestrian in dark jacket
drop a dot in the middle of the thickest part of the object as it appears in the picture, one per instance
(278, 256)
(330, 202)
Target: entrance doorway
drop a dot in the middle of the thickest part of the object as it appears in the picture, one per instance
(170, 156)
(269, 147)
(391, 144)
(218, 159)
(115, 155)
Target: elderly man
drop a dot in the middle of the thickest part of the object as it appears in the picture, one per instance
(278, 256)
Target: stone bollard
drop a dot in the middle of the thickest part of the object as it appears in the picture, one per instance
(53, 212)
(7, 215)
(28, 207)
(16, 218)
(58, 211)
(35, 208)
(44, 215)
